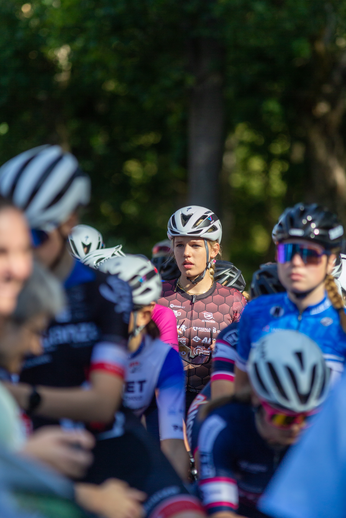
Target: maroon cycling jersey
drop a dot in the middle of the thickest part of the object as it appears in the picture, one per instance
(200, 318)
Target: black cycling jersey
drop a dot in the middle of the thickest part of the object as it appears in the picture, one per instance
(90, 334)
(130, 453)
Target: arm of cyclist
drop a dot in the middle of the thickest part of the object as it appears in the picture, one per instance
(112, 499)
(97, 403)
(217, 484)
(66, 451)
(223, 361)
(170, 396)
(166, 321)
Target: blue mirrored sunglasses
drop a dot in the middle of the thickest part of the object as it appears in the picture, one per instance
(308, 253)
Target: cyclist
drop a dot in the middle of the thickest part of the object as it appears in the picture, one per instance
(89, 322)
(202, 307)
(308, 238)
(312, 482)
(163, 259)
(264, 282)
(83, 240)
(94, 259)
(154, 368)
(80, 375)
(245, 437)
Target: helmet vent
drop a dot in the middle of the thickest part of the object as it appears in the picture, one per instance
(299, 355)
(41, 181)
(259, 379)
(87, 247)
(211, 229)
(18, 175)
(185, 218)
(277, 381)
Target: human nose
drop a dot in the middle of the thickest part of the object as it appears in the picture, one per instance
(297, 260)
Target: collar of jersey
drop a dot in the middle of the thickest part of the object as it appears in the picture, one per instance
(79, 275)
(196, 297)
(311, 310)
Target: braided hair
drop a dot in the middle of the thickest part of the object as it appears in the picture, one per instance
(336, 299)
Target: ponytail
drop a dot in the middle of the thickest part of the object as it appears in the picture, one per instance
(336, 299)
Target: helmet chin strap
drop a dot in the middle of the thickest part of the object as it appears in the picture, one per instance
(197, 279)
(136, 329)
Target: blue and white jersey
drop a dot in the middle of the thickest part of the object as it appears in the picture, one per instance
(156, 369)
(273, 312)
(311, 481)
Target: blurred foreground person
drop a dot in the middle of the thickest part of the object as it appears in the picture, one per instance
(311, 482)
(80, 374)
(245, 437)
(15, 255)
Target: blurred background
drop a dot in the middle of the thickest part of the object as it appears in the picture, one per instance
(238, 105)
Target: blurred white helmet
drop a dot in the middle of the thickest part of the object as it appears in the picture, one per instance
(47, 184)
(140, 273)
(96, 258)
(195, 221)
(83, 240)
(288, 371)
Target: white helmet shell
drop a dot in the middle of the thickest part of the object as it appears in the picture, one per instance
(195, 221)
(47, 184)
(97, 257)
(287, 370)
(83, 240)
(141, 275)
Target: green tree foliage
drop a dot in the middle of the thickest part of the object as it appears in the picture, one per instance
(111, 80)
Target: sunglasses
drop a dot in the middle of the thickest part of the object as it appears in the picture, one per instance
(38, 237)
(283, 420)
(309, 254)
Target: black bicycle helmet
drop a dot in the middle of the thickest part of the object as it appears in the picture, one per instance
(266, 281)
(311, 222)
(229, 275)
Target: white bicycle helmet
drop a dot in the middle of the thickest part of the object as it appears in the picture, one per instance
(83, 240)
(97, 257)
(47, 184)
(195, 221)
(142, 277)
(288, 371)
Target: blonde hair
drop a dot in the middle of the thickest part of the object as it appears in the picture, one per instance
(211, 270)
(336, 299)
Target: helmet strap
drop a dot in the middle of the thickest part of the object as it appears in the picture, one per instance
(136, 329)
(197, 279)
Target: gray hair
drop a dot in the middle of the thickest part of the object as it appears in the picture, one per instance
(41, 294)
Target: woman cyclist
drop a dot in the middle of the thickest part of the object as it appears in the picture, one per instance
(245, 437)
(202, 307)
(308, 237)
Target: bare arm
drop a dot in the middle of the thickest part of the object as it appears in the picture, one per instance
(112, 499)
(220, 388)
(97, 403)
(241, 382)
(176, 453)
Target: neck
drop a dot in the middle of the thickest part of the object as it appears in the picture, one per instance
(196, 289)
(135, 342)
(64, 266)
(313, 298)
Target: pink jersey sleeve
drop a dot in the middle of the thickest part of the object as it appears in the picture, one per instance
(165, 320)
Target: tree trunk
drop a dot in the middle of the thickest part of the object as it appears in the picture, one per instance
(205, 123)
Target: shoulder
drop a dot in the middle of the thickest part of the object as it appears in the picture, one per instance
(265, 302)
(161, 313)
(168, 288)
(227, 420)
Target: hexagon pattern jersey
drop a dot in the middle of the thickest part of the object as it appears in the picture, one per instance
(200, 318)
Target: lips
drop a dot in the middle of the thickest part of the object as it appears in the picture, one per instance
(187, 265)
